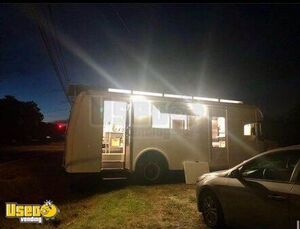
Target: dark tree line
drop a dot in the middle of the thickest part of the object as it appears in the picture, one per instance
(21, 122)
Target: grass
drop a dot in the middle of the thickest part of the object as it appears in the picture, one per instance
(160, 206)
(106, 204)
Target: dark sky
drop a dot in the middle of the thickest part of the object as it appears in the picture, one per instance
(243, 52)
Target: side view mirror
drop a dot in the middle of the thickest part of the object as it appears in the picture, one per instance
(236, 174)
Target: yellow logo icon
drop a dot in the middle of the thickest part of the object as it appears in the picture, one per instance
(32, 213)
(49, 210)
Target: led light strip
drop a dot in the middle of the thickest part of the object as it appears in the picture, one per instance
(147, 93)
(230, 101)
(206, 99)
(178, 96)
(123, 91)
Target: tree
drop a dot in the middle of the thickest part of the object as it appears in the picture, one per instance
(285, 129)
(20, 121)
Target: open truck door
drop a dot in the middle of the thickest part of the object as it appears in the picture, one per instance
(219, 143)
(116, 134)
(84, 135)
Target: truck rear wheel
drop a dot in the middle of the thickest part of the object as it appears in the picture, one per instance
(151, 168)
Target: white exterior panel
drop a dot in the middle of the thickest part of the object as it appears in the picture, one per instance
(83, 144)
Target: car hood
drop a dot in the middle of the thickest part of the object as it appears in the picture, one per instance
(220, 173)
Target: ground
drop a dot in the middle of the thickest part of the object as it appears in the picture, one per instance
(33, 174)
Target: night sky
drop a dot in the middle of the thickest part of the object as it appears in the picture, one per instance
(243, 52)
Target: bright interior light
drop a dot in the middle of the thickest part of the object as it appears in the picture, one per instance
(114, 117)
(146, 93)
(229, 101)
(247, 129)
(178, 96)
(123, 91)
(206, 99)
(198, 109)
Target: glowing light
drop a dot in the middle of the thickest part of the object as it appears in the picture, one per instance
(206, 99)
(198, 109)
(123, 91)
(146, 93)
(230, 101)
(178, 96)
(247, 129)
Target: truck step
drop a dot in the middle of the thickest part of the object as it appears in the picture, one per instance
(111, 169)
(112, 165)
(114, 174)
(114, 178)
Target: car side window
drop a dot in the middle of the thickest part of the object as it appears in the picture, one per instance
(277, 166)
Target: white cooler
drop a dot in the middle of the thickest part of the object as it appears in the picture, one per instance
(194, 169)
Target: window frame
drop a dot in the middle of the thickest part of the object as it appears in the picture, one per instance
(295, 178)
(185, 121)
(255, 127)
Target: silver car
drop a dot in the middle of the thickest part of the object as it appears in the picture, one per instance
(262, 192)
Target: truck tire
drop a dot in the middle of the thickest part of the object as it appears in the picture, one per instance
(151, 168)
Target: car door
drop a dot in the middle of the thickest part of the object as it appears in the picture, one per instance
(260, 197)
(294, 204)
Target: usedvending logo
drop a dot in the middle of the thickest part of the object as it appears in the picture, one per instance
(32, 213)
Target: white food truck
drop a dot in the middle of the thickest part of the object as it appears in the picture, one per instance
(149, 134)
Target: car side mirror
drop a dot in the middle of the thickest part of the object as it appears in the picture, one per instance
(236, 174)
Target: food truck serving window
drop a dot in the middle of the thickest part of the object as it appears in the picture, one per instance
(175, 115)
(160, 120)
